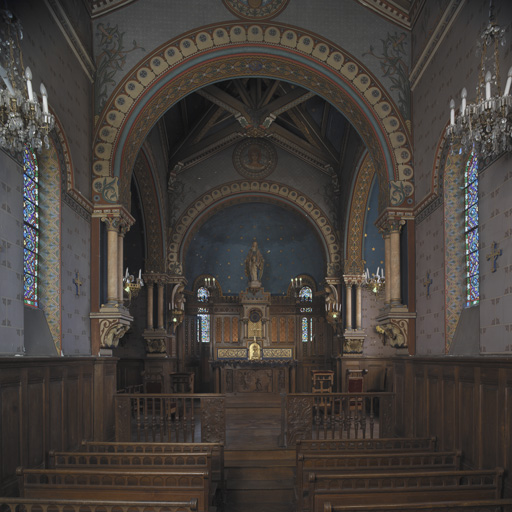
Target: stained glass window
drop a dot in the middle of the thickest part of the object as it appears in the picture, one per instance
(307, 329)
(203, 317)
(306, 294)
(471, 231)
(30, 227)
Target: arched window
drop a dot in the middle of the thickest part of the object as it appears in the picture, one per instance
(203, 317)
(471, 231)
(30, 227)
(306, 298)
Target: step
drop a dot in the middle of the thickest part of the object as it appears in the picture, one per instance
(259, 455)
(243, 497)
(251, 474)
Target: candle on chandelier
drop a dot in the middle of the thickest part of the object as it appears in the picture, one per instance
(452, 112)
(509, 83)
(28, 76)
(488, 78)
(464, 95)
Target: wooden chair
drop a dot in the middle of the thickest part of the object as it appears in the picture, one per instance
(355, 384)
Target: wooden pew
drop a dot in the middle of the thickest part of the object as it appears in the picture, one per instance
(410, 487)
(80, 484)
(216, 450)
(408, 444)
(127, 461)
(445, 506)
(371, 461)
(10, 504)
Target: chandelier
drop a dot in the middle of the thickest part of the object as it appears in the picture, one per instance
(485, 126)
(23, 120)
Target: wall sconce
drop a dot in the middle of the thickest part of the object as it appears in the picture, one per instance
(131, 285)
(176, 318)
(376, 282)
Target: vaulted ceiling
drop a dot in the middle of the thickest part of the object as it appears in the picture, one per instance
(293, 118)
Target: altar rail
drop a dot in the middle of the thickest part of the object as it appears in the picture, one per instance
(338, 416)
(179, 418)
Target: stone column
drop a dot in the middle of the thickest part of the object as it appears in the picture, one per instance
(349, 306)
(149, 285)
(358, 307)
(112, 224)
(160, 285)
(387, 266)
(123, 229)
(395, 296)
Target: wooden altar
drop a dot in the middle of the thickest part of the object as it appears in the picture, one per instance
(261, 376)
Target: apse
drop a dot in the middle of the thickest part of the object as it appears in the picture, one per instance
(287, 240)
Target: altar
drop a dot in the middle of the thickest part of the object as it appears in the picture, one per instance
(254, 376)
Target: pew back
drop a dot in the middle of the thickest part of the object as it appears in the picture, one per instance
(321, 462)
(444, 506)
(10, 504)
(80, 484)
(410, 487)
(216, 450)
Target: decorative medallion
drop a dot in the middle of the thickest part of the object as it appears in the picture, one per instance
(256, 9)
(255, 158)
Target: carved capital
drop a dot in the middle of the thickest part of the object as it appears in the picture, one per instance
(394, 332)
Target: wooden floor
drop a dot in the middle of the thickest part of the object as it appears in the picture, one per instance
(259, 471)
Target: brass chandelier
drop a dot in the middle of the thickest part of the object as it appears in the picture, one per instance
(23, 119)
(485, 126)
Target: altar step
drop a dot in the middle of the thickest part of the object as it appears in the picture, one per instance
(259, 480)
(253, 421)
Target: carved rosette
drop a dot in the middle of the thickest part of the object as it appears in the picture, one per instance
(213, 420)
(111, 331)
(300, 419)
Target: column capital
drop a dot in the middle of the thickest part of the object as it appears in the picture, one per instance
(353, 279)
(116, 217)
(156, 278)
(392, 219)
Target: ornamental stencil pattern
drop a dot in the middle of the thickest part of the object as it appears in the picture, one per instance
(394, 67)
(110, 60)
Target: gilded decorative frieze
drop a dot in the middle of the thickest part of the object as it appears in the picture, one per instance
(277, 353)
(231, 353)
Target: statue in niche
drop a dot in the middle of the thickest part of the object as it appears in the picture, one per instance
(254, 264)
(179, 298)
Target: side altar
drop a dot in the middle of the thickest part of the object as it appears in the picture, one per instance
(254, 366)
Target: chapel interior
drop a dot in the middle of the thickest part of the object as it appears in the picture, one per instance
(255, 222)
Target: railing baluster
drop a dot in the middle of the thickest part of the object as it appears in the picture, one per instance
(193, 419)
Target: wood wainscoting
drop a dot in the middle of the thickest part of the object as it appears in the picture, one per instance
(51, 404)
(465, 402)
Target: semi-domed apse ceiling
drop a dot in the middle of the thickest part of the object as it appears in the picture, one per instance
(289, 246)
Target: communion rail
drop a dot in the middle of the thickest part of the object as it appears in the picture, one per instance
(338, 416)
(178, 418)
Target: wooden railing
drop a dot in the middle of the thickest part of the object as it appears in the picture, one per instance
(338, 416)
(177, 418)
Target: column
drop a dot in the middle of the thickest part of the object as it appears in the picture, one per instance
(120, 257)
(160, 305)
(349, 306)
(394, 236)
(112, 224)
(387, 266)
(358, 307)
(149, 285)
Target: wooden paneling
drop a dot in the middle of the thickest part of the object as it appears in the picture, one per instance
(49, 403)
(466, 403)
